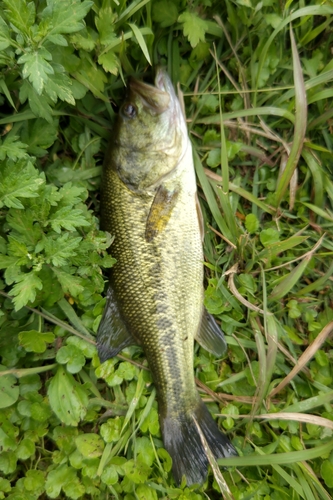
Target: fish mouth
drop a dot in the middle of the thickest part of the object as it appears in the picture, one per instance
(157, 97)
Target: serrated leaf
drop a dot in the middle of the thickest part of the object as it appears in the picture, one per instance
(57, 39)
(25, 290)
(110, 62)
(84, 39)
(69, 283)
(9, 391)
(21, 180)
(72, 195)
(34, 341)
(58, 250)
(92, 78)
(20, 13)
(67, 398)
(105, 25)
(59, 86)
(4, 35)
(39, 104)
(39, 135)
(194, 27)
(12, 148)
(65, 16)
(36, 68)
(68, 218)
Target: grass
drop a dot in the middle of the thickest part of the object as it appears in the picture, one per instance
(257, 91)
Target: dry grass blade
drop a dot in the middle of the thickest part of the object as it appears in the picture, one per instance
(305, 358)
(298, 417)
(231, 272)
(224, 488)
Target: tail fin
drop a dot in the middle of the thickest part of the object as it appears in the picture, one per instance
(183, 443)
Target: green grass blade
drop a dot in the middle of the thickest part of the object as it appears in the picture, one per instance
(313, 10)
(300, 124)
(278, 458)
(261, 111)
(210, 197)
(141, 41)
(73, 317)
(290, 280)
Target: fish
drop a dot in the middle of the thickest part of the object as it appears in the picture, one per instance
(155, 297)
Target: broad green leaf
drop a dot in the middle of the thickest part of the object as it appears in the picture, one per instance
(26, 449)
(68, 399)
(71, 356)
(34, 481)
(8, 389)
(34, 341)
(136, 471)
(63, 478)
(214, 158)
(326, 471)
(36, 68)
(165, 13)
(90, 445)
(269, 236)
(194, 27)
(251, 223)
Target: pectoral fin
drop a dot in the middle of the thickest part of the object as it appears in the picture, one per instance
(113, 335)
(210, 335)
(160, 212)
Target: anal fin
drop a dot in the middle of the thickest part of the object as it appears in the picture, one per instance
(210, 335)
(113, 335)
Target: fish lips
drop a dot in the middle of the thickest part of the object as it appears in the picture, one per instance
(159, 97)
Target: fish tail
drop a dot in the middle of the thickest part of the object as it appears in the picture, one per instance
(183, 442)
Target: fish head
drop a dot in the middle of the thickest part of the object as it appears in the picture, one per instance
(151, 133)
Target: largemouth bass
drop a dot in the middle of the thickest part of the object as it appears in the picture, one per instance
(155, 297)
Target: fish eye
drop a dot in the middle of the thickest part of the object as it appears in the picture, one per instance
(130, 110)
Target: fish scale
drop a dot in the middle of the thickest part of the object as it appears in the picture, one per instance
(155, 297)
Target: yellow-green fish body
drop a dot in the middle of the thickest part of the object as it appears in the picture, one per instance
(155, 296)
